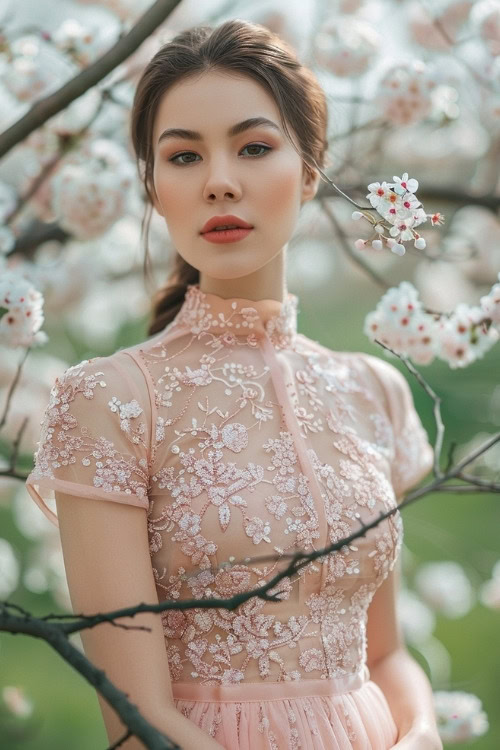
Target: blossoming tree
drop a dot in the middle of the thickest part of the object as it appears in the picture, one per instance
(421, 98)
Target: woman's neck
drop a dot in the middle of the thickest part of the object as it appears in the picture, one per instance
(268, 282)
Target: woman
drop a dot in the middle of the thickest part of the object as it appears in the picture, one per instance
(229, 436)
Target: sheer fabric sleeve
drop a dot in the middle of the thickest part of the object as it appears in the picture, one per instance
(412, 455)
(95, 435)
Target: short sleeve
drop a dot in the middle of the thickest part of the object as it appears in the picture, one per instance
(412, 454)
(95, 435)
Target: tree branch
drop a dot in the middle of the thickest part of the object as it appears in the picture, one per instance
(56, 637)
(346, 244)
(50, 105)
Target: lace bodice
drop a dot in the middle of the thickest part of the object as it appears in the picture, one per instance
(242, 438)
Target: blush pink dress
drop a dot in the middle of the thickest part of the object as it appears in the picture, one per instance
(242, 438)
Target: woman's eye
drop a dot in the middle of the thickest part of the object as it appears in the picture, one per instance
(174, 159)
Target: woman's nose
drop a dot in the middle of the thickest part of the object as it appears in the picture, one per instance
(221, 182)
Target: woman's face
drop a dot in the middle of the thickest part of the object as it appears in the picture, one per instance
(255, 175)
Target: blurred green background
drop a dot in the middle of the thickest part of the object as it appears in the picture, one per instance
(463, 528)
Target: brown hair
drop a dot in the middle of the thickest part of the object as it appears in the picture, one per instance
(243, 48)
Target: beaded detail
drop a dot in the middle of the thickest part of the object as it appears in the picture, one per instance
(208, 312)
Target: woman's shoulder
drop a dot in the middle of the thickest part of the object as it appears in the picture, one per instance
(91, 366)
(318, 350)
(356, 356)
(372, 372)
(120, 372)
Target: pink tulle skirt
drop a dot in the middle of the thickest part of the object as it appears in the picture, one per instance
(347, 713)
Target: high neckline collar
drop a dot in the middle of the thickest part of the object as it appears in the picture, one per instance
(235, 316)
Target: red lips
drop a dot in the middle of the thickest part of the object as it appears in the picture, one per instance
(220, 221)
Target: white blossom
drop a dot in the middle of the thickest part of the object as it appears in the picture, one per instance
(416, 618)
(445, 587)
(401, 323)
(459, 716)
(346, 46)
(423, 22)
(89, 193)
(404, 93)
(404, 184)
(398, 205)
(84, 43)
(461, 339)
(16, 701)
(33, 69)
(378, 191)
(21, 315)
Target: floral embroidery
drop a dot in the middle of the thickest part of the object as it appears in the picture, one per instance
(242, 451)
(65, 435)
(197, 315)
(257, 529)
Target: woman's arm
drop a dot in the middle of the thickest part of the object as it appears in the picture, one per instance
(409, 695)
(108, 566)
(401, 679)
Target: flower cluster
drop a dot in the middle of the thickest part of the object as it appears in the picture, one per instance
(459, 716)
(426, 24)
(445, 587)
(21, 315)
(81, 43)
(402, 324)
(347, 46)
(405, 92)
(27, 67)
(400, 212)
(90, 191)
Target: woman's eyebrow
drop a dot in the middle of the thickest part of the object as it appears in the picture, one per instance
(240, 127)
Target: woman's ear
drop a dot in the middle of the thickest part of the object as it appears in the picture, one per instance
(153, 196)
(310, 182)
(156, 202)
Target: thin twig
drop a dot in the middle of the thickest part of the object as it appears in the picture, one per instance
(348, 249)
(437, 406)
(13, 387)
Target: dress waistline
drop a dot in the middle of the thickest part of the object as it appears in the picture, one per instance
(268, 691)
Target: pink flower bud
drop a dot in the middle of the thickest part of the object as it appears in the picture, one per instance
(360, 244)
